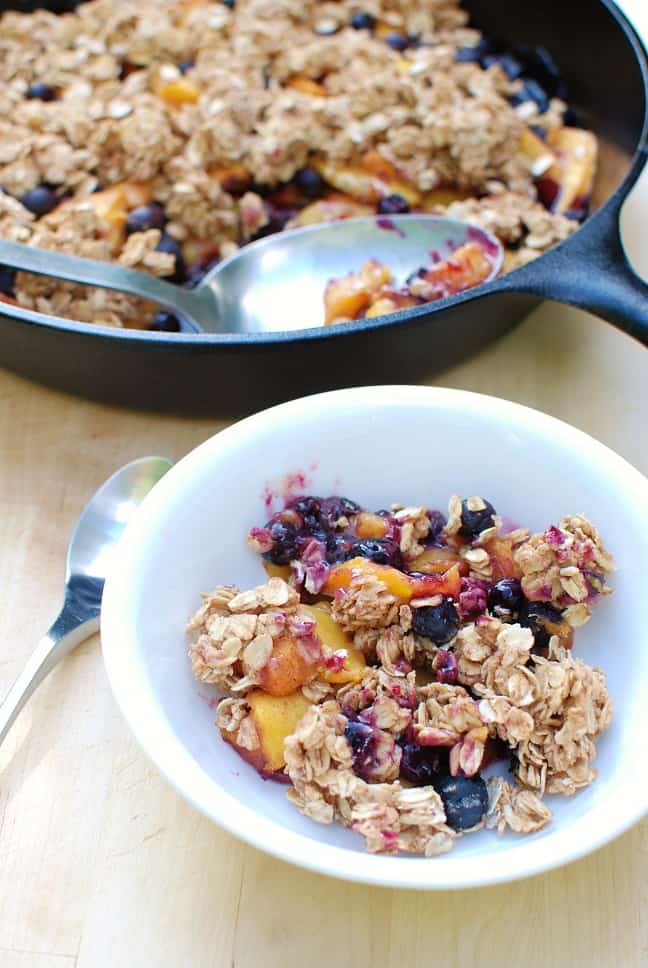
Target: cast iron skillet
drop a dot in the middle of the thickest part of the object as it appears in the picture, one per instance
(605, 68)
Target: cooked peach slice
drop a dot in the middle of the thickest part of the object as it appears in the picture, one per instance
(573, 173)
(331, 208)
(390, 301)
(307, 86)
(365, 184)
(178, 91)
(231, 178)
(275, 718)
(501, 556)
(346, 297)
(345, 663)
(403, 587)
(541, 155)
(291, 664)
(369, 525)
(442, 197)
(137, 193)
(434, 561)
(467, 267)
(277, 571)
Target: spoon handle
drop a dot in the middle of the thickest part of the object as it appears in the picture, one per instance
(198, 307)
(68, 630)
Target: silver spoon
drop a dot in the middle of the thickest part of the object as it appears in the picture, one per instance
(93, 540)
(277, 283)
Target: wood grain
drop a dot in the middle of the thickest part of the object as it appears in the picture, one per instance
(102, 864)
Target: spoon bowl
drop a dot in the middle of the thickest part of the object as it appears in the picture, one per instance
(277, 283)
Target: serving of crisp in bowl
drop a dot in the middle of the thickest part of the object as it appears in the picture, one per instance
(448, 714)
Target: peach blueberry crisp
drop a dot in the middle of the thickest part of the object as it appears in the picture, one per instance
(392, 656)
(163, 134)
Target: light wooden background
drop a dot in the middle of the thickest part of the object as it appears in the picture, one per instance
(102, 864)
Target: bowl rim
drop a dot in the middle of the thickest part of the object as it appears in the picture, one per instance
(157, 740)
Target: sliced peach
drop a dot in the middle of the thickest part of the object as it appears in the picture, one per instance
(350, 179)
(403, 587)
(574, 170)
(501, 556)
(231, 178)
(289, 667)
(137, 193)
(178, 91)
(541, 155)
(346, 297)
(277, 571)
(346, 664)
(390, 176)
(434, 561)
(467, 267)
(390, 301)
(369, 525)
(447, 584)
(275, 718)
(442, 196)
(307, 86)
(331, 208)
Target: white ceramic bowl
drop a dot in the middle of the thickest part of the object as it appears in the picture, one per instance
(376, 445)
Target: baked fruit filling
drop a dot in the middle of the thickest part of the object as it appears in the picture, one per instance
(164, 134)
(392, 657)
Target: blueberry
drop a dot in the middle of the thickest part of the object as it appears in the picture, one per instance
(144, 218)
(40, 92)
(504, 597)
(531, 91)
(363, 21)
(381, 550)
(7, 280)
(393, 205)
(197, 272)
(397, 41)
(539, 65)
(475, 520)
(310, 182)
(40, 200)
(338, 548)
(437, 524)
(420, 765)
(544, 621)
(465, 799)
(185, 66)
(511, 67)
(165, 322)
(374, 751)
(284, 542)
(173, 247)
(230, 3)
(334, 508)
(472, 55)
(310, 510)
(437, 622)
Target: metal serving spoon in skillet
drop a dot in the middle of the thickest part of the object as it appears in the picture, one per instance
(93, 540)
(277, 283)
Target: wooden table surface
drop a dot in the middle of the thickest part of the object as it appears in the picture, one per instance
(102, 864)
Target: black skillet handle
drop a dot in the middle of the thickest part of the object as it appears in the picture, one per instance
(591, 271)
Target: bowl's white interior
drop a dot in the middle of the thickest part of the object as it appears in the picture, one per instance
(377, 446)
